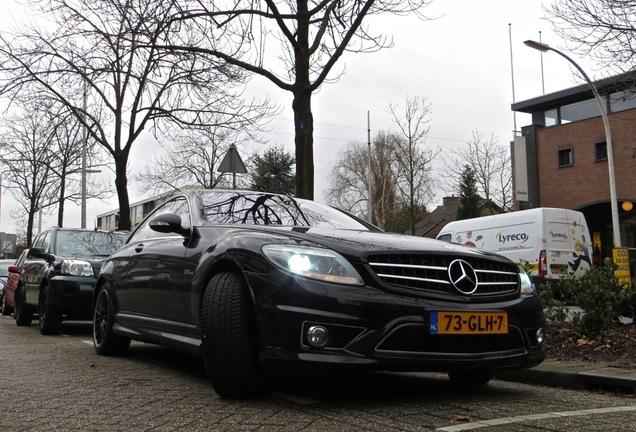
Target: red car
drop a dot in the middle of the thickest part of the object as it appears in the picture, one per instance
(13, 282)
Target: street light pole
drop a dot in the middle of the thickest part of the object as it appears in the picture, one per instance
(370, 175)
(84, 151)
(608, 136)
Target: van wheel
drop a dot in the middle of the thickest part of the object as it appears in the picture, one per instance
(23, 313)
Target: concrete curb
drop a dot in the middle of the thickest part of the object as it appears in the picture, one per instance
(575, 375)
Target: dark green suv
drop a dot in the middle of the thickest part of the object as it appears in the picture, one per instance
(59, 274)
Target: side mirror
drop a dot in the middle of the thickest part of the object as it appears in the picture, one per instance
(39, 253)
(168, 223)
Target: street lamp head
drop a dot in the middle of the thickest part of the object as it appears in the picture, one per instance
(537, 45)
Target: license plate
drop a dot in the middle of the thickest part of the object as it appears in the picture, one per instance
(559, 269)
(443, 322)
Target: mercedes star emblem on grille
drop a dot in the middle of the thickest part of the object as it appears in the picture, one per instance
(462, 276)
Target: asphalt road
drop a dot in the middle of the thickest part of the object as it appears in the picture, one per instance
(58, 383)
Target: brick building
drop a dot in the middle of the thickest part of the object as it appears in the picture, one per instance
(560, 160)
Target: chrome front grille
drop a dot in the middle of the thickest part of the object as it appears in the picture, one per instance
(431, 273)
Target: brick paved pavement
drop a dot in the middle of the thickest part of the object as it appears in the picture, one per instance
(58, 383)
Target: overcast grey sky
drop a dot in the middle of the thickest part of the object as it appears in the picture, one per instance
(460, 62)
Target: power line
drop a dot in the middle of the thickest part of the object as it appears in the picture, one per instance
(356, 128)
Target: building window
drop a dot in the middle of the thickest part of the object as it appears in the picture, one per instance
(622, 101)
(552, 117)
(600, 151)
(566, 157)
(579, 111)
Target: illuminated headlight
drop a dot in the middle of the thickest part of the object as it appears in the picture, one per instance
(76, 268)
(314, 263)
(527, 287)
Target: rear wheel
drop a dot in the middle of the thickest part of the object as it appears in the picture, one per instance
(23, 312)
(50, 316)
(105, 341)
(230, 339)
(470, 378)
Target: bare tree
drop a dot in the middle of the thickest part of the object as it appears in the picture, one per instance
(68, 148)
(309, 39)
(414, 164)
(26, 143)
(190, 161)
(491, 165)
(602, 30)
(103, 51)
(41, 149)
(349, 180)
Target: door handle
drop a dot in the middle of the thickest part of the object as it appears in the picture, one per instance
(139, 247)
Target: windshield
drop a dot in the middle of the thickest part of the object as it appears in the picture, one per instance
(223, 207)
(88, 243)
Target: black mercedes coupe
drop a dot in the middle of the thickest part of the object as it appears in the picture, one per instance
(262, 284)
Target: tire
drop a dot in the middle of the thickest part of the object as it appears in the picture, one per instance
(106, 342)
(50, 317)
(23, 313)
(230, 338)
(6, 310)
(470, 378)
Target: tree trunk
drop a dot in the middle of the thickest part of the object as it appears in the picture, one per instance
(29, 227)
(62, 199)
(303, 119)
(121, 185)
(304, 128)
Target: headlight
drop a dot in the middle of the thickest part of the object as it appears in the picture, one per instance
(76, 268)
(315, 263)
(527, 287)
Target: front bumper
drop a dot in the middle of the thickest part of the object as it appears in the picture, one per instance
(73, 295)
(370, 328)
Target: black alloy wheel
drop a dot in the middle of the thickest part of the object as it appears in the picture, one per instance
(50, 318)
(106, 342)
(230, 339)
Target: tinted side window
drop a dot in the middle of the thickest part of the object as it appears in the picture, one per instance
(22, 258)
(43, 241)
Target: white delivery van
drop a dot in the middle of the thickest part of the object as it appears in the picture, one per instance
(553, 242)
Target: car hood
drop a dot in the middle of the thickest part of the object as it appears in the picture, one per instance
(355, 243)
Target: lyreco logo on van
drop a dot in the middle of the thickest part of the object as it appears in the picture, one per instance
(558, 236)
(521, 237)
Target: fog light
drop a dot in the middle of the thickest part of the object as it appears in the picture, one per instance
(540, 336)
(317, 336)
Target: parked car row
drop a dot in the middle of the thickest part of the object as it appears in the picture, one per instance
(261, 284)
(13, 281)
(56, 277)
(4, 273)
